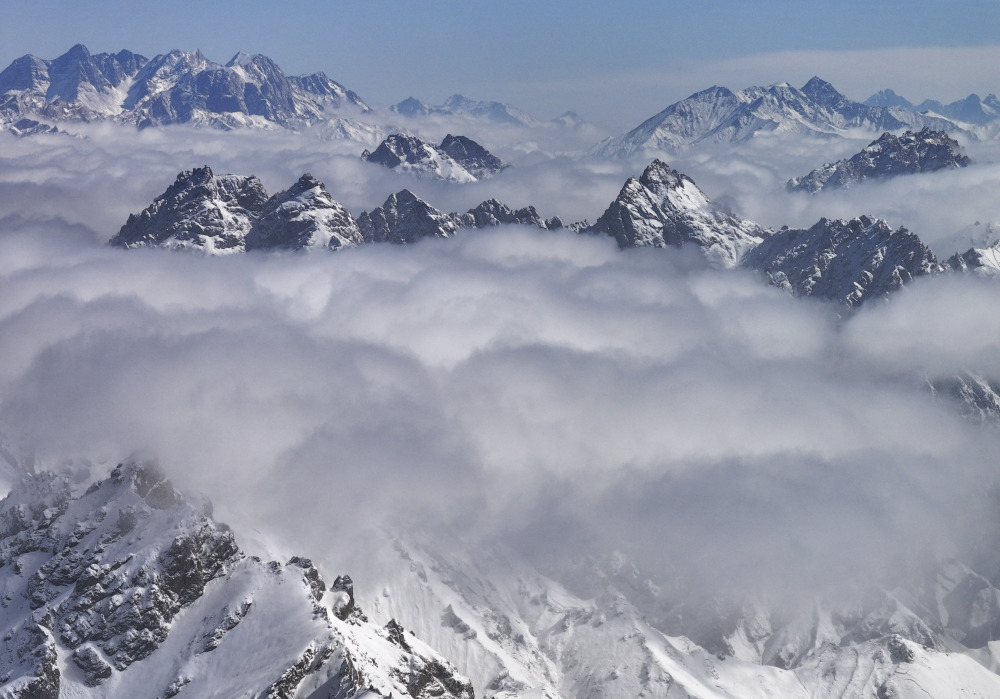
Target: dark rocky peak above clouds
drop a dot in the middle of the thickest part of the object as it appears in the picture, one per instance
(888, 156)
(846, 261)
(664, 207)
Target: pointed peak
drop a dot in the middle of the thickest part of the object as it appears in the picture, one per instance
(659, 171)
(822, 92)
(816, 81)
(405, 196)
(78, 50)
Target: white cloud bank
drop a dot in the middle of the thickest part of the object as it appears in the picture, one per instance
(539, 387)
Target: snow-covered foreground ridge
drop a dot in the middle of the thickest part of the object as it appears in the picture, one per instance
(124, 587)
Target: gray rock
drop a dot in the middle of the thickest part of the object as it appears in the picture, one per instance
(849, 262)
(665, 208)
(888, 156)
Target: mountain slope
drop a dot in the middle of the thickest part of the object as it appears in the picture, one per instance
(520, 633)
(128, 588)
(888, 156)
(664, 207)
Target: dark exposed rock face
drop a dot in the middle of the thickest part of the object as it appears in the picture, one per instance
(888, 156)
(849, 262)
(198, 210)
(105, 596)
(303, 216)
(456, 159)
(405, 218)
(665, 208)
(494, 213)
(30, 127)
(219, 214)
(472, 156)
(977, 395)
(232, 213)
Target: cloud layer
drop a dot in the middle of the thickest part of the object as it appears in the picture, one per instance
(540, 388)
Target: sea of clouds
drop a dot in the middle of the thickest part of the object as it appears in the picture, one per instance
(542, 389)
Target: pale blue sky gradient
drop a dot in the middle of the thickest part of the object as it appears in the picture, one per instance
(615, 63)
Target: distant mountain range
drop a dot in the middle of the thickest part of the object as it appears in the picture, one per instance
(970, 110)
(719, 115)
(173, 88)
(252, 91)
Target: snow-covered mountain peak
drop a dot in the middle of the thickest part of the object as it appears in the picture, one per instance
(219, 214)
(887, 156)
(457, 159)
(888, 98)
(847, 261)
(721, 115)
(823, 93)
(242, 59)
(664, 207)
(175, 87)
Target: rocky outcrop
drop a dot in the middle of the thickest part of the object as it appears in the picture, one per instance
(199, 210)
(849, 262)
(476, 160)
(456, 159)
(983, 261)
(303, 216)
(406, 218)
(232, 213)
(888, 156)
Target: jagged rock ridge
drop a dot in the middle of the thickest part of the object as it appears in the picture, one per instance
(176, 87)
(845, 261)
(232, 213)
(456, 159)
(888, 156)
(405, 218)
(136, 589)
(666, 208)
(223, 214)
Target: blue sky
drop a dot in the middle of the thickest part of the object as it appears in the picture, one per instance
(615, 63)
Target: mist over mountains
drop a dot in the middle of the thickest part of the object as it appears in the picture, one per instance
(602, 424)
